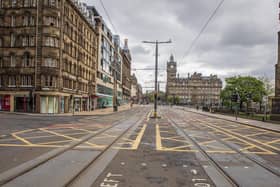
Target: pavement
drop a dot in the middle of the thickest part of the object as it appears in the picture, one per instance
(256, 123)
(103, 111)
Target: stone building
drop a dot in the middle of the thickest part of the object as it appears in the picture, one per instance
(48, 56)
(126, 72)
(195, 89)
(136, 90)
(109, 64)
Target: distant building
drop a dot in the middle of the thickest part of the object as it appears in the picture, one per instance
(136, 90)
(195, 89)
(126, 72)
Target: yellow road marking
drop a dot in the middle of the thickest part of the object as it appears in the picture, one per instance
(242, 140)
(53, 135)
(59, 134)
(53, 142)
(20, 138)
(158, 138)
(69, 137)
(138, 139)
(85, 130)
(43, 146)
(259, 133)
(274, 141)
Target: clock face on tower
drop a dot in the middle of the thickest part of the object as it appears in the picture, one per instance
(171, 66)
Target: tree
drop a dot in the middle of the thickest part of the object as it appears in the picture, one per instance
(269, 88)
(248, 88)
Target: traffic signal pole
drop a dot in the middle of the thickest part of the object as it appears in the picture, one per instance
(156, 73)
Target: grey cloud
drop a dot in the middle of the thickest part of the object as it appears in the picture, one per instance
(241, 39)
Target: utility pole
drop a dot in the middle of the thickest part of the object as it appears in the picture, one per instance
(156, 72)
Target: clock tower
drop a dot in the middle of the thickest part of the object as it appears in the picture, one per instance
(171, 72)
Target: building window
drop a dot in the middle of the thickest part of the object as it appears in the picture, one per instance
(13, 21)
(53, 3)
(12, 61)
(51, 42)
(13, 40)
(1, 42)
(27, 61)
(50, 62)
(28, 20)
(1, 81)
(26, 3)
(27, 41)
(1, 62)
(26, 81)
(12, 81)
(48, 81)
(51, 21)
(25, 20)
(14, 3)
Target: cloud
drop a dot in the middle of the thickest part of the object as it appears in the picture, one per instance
(240, 40)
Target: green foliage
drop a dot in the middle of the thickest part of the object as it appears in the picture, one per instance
(248, 88)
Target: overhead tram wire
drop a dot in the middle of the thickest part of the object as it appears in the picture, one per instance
(108, 16)
(203, 29)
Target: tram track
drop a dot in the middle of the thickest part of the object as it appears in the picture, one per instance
(80, 174)
(212, 160)
(14, 173)
(248, 156)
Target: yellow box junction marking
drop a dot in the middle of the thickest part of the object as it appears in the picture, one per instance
(134, 143)
(227, 132)
(15, 135)
(18, 136)
(160, 147)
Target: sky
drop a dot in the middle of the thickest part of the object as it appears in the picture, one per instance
(240, 40)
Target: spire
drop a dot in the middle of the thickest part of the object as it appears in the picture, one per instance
(171, 58)
(125, 44)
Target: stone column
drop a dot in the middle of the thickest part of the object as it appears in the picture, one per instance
(12, 103)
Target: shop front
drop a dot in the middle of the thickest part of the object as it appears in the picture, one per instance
(49, 104)
(104, 101)
(23, 103)
(5, 104)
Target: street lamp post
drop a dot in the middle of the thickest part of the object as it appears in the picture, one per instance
(156, 72)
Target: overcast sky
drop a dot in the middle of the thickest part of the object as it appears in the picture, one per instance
(240, 40)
